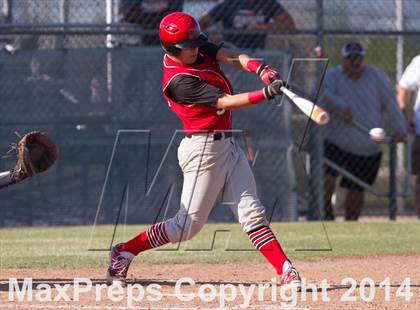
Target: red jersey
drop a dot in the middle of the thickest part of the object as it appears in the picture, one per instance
(199, 117)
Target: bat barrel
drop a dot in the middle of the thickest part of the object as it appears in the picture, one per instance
(310, 109)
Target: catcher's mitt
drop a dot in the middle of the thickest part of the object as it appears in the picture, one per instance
(35, 153)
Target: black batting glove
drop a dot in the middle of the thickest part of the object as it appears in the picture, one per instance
(274, 89)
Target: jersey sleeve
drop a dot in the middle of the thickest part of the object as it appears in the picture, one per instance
(411, 77)
(211, 49)
(187, 89)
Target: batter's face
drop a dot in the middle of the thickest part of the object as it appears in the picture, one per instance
(353, 67)
(187, 56)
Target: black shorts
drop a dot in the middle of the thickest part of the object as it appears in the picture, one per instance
(415, 155)
(363, 167)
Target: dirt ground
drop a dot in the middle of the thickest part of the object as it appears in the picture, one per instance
(378, 285)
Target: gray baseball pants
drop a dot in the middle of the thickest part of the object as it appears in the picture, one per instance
(209, 168)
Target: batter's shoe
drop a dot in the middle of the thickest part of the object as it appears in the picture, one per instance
(118, 267)
(291, 278)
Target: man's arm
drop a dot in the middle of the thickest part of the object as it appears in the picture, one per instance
(389, 102)
(243, 100)
(192, 90)
(237, 60)
(282, 21)
(404, 102)
(206, 21)
(408, 84)
(274, 11)
(246, 63)
(226, 56)
(217, 13)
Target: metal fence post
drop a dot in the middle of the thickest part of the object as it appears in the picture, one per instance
(7, 11)
(399, 68)
(109, 75)
(316, 175)
(64, 19)
(392, 181)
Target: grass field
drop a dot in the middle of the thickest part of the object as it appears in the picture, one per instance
(54, 247)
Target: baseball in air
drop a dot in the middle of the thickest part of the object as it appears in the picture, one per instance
(377, 134)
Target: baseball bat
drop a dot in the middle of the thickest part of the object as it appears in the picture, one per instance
(310, 109)
(375, 134)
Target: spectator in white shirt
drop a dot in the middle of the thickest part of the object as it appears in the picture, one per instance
(408, 91)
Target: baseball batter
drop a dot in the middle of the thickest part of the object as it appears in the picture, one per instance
(200, 94)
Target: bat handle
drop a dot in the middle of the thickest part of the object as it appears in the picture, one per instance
(288, 93)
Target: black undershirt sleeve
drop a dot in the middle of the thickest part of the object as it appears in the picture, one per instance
(211, 49)
(186, 89)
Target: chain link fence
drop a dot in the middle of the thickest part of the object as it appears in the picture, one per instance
(82, 70)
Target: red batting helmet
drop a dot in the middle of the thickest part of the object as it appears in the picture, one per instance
(179, 30)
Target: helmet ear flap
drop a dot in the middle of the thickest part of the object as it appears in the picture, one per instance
(171, 50)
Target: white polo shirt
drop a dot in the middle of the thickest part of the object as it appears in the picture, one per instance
(411, 80)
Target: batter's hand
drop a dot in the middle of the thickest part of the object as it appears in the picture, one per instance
(267, 74)
(274, 89)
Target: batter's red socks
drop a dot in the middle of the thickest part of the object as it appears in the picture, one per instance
(155, 236)
(264, 241)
